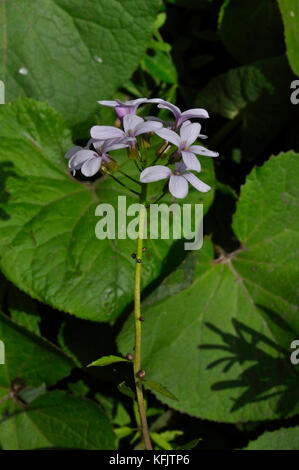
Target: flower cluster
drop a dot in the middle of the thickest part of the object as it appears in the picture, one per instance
(179, 135)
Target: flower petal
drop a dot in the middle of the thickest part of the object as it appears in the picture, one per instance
(72, 151)
(131, 121)
(178, 186)
(111, 104)
(115, 145)
(136, 102)
(203, 151)
(91, 166)
(155, 173)
(80, 157)
(169, 136)
(191, 161)
(174, 109)
(196, 182)
(195, 113)
(149, 126)
(190, 133)
(106, 132)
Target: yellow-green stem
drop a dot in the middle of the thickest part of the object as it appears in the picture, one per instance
(137, 314)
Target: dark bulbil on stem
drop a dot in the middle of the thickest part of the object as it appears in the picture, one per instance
(130, 356)
(141, 374)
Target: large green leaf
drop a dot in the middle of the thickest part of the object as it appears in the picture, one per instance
(251, 29)
(224, 327)
(290, 15)
(57, 420)
(256, 97)
(72, 53)
(29, 358)
(48, 246)
(283, 439)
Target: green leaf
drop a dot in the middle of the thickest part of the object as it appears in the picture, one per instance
(106, 360)
(290, 15)
(23, 310)
(29, 358)
(190, 445)
(156, 387)
(160, 66)
(257, 98)
(123, 388)
(72, 54)
(251, 29)
(164, 439)
(48, 246)
(225, 327)
(56, 420)
(124, 431)
(122, 417)
(283, 439)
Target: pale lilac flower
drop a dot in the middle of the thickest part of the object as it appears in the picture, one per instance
(179, 116)
(133, 126)
(171, 125)
(178, 179)
(90, 161)
(184, 141)
(122, 108)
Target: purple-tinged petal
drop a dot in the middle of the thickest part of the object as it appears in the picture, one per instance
(80, 157)
(106, 132)
(162, 104)
(91, 166)
(130, 122)
(186, 123)
(154, 118)
(178, 186)
(196, 182)
(203, 151)
(110, 104)
(174, 109)
(190, 133)
(116, 145)
(91, 141)
(72, 151)
(136, 102)
(149, 126)
(155, 173)
(195, 113)
(169, 136)
(191, 161)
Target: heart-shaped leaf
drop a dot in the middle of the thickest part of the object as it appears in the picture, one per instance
(70, 53)
(57, 420)
(225, 326)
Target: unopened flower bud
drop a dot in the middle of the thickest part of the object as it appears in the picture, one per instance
(138, 260)
(133, 153)
(141, 318)
(112, 166)
(133, 255)
(130, 357)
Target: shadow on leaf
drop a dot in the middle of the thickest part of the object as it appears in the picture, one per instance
(266, 377)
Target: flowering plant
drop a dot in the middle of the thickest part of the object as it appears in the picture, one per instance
(179, 152)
